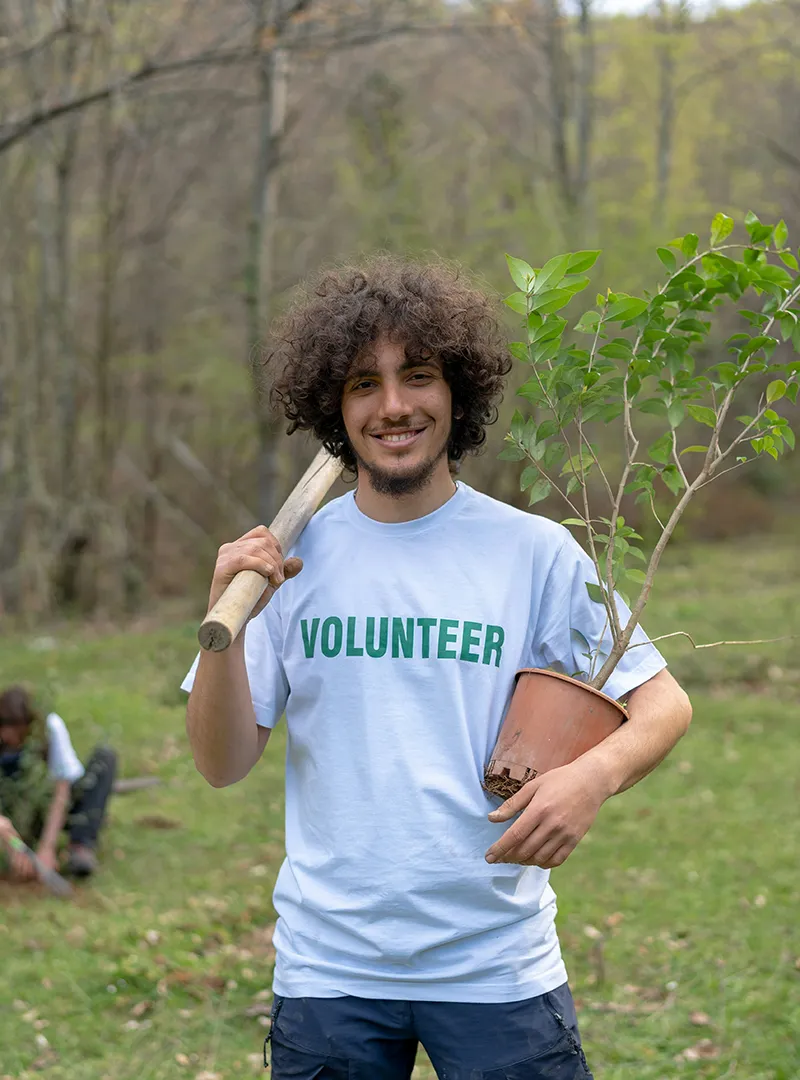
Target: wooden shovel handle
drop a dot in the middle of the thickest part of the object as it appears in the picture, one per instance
(233, 608)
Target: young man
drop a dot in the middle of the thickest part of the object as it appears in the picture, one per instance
(409, 909)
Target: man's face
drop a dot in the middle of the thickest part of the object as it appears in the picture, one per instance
(397, 412)
(12, 736)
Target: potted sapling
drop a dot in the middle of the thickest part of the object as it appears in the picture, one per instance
(633, 365)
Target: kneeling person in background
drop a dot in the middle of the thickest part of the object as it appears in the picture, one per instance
(45, 789)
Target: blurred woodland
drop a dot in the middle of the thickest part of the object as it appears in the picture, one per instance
(170, 170)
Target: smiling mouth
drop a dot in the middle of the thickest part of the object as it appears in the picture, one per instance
(397, 438)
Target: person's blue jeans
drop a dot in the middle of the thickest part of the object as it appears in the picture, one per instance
(351, 1038)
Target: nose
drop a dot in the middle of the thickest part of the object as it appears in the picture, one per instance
(394, 403)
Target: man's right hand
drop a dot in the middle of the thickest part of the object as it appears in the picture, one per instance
(21, 867)
(257, 550)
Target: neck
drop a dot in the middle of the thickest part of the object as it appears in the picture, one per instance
(395, 508)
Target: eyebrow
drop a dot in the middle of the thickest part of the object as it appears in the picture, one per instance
(408, 363)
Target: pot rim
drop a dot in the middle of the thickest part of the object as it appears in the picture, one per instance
(575, 682)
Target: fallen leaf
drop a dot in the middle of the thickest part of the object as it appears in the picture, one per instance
(705, 1050)
(760, 900)
(41, 1042)
(700, 1019)
(593, 933)
(182, 1059)
(206, 1075)
(158, 821)
(259, 1009)
(615, 919)
(141, 1008)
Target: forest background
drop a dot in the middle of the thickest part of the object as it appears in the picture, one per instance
(169, 171)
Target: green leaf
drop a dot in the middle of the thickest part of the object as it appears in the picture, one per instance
(661, 449)
(580, 641)
(615, 350)
(788, 259)
(689, 245)
(530, 475)
(629, 307)
(550, 300)
(553, 454)
(511, 453)
(694, 450)
(788, 435)
(517, 426)
(676, 413)
(672, 478)
(551, 273)
(575, 521)
(521, 272)
(588, 322)
(781, 234)
(756, 343)
(655, 406)
(595, 592)
(668, 259)
(636, 575)
(518, 302)
(721, 227)
(775, 391)
(580, 261)
(703, 415)
(519, 350)
(539, 491)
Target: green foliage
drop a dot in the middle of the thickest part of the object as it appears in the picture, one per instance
(641, 371)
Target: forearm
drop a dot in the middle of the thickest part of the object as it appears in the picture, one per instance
(56, 816)
(220, 719)
(659, 714)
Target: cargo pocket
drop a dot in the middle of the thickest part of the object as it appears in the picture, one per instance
(292, 1061)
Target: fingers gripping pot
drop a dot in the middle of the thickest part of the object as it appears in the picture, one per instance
(551, 721)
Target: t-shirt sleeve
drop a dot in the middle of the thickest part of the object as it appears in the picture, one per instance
(263, 647)
(570, 624)
(62, 761)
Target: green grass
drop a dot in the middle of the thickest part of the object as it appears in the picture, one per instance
(682, 900)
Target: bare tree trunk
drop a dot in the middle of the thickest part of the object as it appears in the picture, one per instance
(669, 26)
(104, 328)
(67, 406)
(585, 110)
(559, 107)
(153, 388)
(272, 87)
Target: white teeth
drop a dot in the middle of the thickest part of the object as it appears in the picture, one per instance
(398, 438)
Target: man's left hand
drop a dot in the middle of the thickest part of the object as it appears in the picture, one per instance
(558, 809)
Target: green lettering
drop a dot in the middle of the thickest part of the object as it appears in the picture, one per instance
(447, 637)
(495, 636)
(369, 641)
(309, 640)
(426, 625)
(335, 647)
(469, 639)
(403, 637)
(351, 638)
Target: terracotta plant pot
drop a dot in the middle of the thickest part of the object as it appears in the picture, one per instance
(552, 719)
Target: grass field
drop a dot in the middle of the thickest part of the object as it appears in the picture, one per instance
(679, 914)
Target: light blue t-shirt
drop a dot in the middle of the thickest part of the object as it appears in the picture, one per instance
(393, 655)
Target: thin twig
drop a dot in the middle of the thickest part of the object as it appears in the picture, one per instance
(713, 644)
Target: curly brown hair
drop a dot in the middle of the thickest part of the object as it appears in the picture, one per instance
(430, 307)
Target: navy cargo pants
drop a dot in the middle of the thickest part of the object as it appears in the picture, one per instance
(351, 1038)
